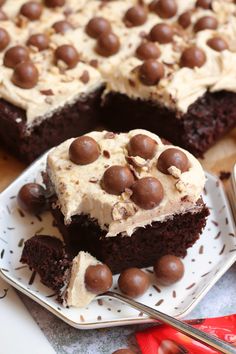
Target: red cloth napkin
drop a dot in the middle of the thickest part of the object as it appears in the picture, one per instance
(166, 340)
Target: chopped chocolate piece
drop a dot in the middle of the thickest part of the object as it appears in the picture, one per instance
(54, 3)
(98, 278)
(151, 72)
(32, 10)
(133, 282)
(25, 75)
(39, 40)
(224, 175)
(116, 179)
(32, 198)
(217, 43)
(4, 39)
(172, 157)
(135, 16)
(48, 92)
(108, 44)
(84, 150)
(169, 269)
(143, 146)
(192, 57)
(147, 192)
(166, 8)
(205, 4)
(15, 55)
(206, 22)
(85, 77)
(162, 33)
(68, 54)
(62, 26)
(148, 50)
(185, 19)
(96, 26)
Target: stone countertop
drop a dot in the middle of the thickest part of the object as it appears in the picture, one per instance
(68, 340)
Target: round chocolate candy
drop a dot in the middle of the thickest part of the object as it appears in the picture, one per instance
(218, 44)
(62, 26)
(205, 4)
(123, 351)
(96, 26)
(32, 198)
(84, 150)
(32, 10)
(143, 146)
(172, 157)
(68, 54)
(162, 33)
(15, 55)
(166, 8)
(4, 39)
(193, 57)
(25, 75)
(148, 50)
(147, 192)
(39, 40)
(151, 72)
(116, 179)
(206, 22)
(3, 16)
(98, 278)
(185, 19)
(168, 269)
(107, 44)
(133, 282)
(135, 16)
(54, 3)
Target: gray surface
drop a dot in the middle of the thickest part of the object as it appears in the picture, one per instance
(220, 301)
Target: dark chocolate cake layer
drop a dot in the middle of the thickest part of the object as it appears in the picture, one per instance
(46, 255)
(143, 248)
(206, 121)
(70, 121)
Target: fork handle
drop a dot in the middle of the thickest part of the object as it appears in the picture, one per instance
(183, 327)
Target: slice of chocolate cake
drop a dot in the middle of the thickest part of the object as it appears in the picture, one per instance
(127, 199)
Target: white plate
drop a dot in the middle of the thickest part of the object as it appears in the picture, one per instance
(205, 263)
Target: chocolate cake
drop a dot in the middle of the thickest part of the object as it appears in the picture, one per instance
(164, 66)
(127, 199)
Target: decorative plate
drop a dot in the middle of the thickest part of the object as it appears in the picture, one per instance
(205, 262)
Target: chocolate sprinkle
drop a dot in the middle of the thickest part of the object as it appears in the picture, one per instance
(5, 294)
(2, 253)
(32, 278)
(222, 250)
(156, 288)
(21, 242)
(190, 286)
(201, 249)
(217, 236)
(159, 302)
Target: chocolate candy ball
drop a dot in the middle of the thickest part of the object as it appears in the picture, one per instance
(68, 54)
(54, 3)
(98, 278)
(32, 10)
(31, 198)
(148, 50)
(4, 39)
(143, 146)
(25, 75)
(3, 16)
(205, 4)
(169, 269)
(166, 8)
(193, 57)
(135, 16)
(15, 55)
(162, 33)
(133, 282)
(116, 179)
(185, 19)
(206, 22)
(172, 157)
(96, 26)
(123, 351)
(39, 40)
(151, 72)
(108, 44)
(218, 44)
(147, 192)
(62, 26)
(84, 150)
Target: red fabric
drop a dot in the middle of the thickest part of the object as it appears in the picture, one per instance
(166, 340)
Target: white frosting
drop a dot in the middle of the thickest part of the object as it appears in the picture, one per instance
(77, 294)
(79, 190)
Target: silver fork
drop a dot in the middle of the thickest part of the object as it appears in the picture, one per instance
(183, 327)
